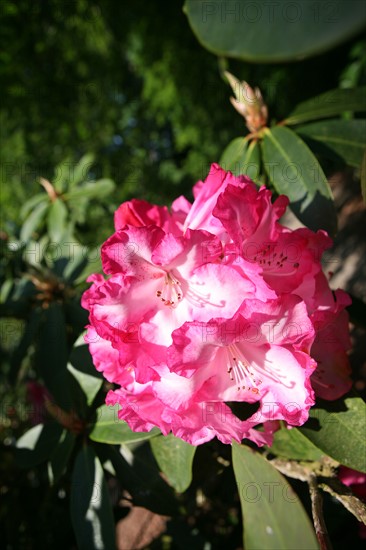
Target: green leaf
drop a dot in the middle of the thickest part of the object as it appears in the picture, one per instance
(61, 455)
(94, 265)
(294, 171)
(33, 221)
(273, 516)
(265, 32)
(142, 480)
(294, 445)
(77, 262)
(81, 170)
(81, 359)
(62, 175)
(5, 290)
(52, 355)
(242, 157)
(28, 337)
(233, 154)
(363, 177)
(334, 102)
(346, 137)
(95, 190)
(56, 220)
(90, 507)
(37, 444)
(110, 429)
(175, 458)
(32, 203)
(339, 429)
(35, 250)
(252, 162)
(89, 384)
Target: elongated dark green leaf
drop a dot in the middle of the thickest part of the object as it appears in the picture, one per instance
(175, 458)
(61, 455)
(89, 384)
(63, 172)
(294, 445)
(233, 154)
(75, 316)
(32, 203)
(79, 172)
(294, 171)
(142, 480)
(90, 507)
(334, 102)
(94, 265)
(76, 264)
(339, 429)
(37, 444)
(273, 517)
(33, 221)
(252, 162)
(28, 337)
(56, 220)
(241, 157)
(346, 137)
(52, 355)
(5, 290)
(97, 189)
(81, 359)
(110, 429)
(363, 177)
(265, 32)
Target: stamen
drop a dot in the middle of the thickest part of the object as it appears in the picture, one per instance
(275, 262)
(247, 377)
(170, 293)
(240, 371)
(318, 376)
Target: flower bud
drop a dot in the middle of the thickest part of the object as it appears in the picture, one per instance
(249, 103)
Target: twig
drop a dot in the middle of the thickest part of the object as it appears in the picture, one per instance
(327, 481)
(68, 420)
(317, 511)
(344, 494)
(291, 469)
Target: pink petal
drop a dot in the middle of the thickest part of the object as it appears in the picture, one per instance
(206, 194)
(129, 251)
(139, 213)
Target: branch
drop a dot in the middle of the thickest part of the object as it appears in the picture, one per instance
(327, 481)
(317, 512)
(291, 469)
(345, 495)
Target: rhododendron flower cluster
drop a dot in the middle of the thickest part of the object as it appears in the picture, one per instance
(212, 305)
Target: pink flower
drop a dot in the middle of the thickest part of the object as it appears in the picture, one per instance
(290, 260)
(140, 213)
(332, 379)
(212, 303)
(159, 281)
(143, 408)
(260, 355)
(166, 401)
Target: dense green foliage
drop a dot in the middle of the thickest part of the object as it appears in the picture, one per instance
(118, 80)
